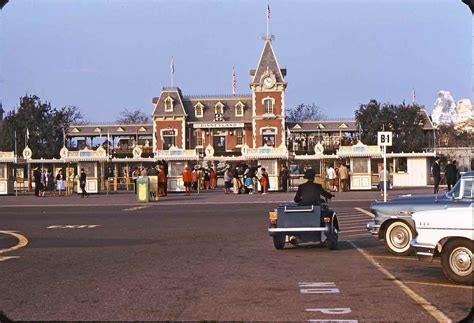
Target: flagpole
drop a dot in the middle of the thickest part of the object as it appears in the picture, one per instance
(268, 20)
(15, 145)
(234, 82)
(172, 71)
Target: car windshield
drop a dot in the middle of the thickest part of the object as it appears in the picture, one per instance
(467, 189)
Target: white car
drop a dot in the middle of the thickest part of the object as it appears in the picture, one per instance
(450, 233)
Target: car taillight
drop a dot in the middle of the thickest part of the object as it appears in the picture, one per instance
(273, 221)
(327, 219)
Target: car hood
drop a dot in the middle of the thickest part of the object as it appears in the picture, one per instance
(404, 205)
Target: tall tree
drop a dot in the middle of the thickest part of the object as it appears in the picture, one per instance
(405, 121)
(131, 117)
(45, 126)
(304, 112)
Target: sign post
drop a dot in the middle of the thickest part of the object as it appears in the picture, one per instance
(384, 139)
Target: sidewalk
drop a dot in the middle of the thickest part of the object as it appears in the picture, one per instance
(205, 197)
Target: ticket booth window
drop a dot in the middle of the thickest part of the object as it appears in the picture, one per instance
(268, 137)
(360, 166)
(3, 171)
(169, 138)
(89, 169)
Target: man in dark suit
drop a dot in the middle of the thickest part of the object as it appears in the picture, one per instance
(436, 170)
(82, 183)
(310, 192)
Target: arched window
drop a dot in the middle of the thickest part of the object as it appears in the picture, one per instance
(268, 106)
(239, 109)
(168, 104)
(169, 138)
(199, 110)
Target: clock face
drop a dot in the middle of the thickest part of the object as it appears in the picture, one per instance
(268, 81)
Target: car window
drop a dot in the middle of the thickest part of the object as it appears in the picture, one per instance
(467, 192)
(455, 190)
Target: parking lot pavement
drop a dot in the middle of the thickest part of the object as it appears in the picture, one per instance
(175, 261)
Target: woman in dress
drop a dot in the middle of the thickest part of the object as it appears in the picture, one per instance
(60, 182)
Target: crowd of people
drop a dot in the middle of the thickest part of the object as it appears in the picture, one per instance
(337, 179)
(46, 184)
(451, 174)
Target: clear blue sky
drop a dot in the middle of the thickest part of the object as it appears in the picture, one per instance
(103, 56)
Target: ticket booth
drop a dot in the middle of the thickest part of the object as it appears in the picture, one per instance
(90, 161)
(360, 165)
(177, 159)
(7, 178)
(271, 159)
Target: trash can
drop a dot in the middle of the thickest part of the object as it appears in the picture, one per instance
(143, 192)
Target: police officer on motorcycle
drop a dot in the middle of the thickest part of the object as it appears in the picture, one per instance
(310, 192)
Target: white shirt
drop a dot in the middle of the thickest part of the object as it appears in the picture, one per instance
(331, 173)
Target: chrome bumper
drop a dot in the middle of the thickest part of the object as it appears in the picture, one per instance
(373, 229)
(281, 230)
(424, 252)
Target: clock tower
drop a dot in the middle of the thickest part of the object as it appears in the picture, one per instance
(268, 99)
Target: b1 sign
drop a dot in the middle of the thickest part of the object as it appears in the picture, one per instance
(384, 138)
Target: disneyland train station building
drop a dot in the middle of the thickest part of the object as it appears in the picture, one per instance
(217, 131)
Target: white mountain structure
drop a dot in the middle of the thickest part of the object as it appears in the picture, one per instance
(444, 111)
(465, 115)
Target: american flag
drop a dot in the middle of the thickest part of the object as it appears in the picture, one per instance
(268, 11)
(413, 97)
(234, 82)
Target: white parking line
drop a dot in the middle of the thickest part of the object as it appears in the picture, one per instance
(431, 309)
(137, 208)
(364, 211)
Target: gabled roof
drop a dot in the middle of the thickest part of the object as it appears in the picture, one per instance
(268, 62)
(175, 94)
(323, 126)
(209, 102)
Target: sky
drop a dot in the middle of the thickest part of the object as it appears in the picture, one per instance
(104, 56)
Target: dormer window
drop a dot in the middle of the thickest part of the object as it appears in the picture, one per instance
(268, 106)
(168, 104)
(199, 110)
(239, 109)
(219, 108)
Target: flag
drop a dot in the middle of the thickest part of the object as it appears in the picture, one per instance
(413, 95)
(268, 11)
(172, 65)
(234, 82)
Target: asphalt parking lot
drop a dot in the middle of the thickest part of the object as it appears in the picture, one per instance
(205, 257)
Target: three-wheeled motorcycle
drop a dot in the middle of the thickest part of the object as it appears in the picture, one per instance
(303, 224)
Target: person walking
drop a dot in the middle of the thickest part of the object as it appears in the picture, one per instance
(451, 174)
(162, 181)
(213, 176)
(82, 182)
(195, 179)
(331, 176)
(284, 176)
(264, 181)
(227, 180)
(383, 174)
(60, 182)
(235, 180)
(50, 182)
(187, 179)
(436, 171)
(207, 179)
(43, 182)
(344, 177)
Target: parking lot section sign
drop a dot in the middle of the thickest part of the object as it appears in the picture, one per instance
(384, 138)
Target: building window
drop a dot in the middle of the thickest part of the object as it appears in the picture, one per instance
(268, 106)
(268, 137)
(198, 110)
(169, 104)
(219, 108)
(198, 137)
(239, 110)
(239, 135)
(169, 138)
